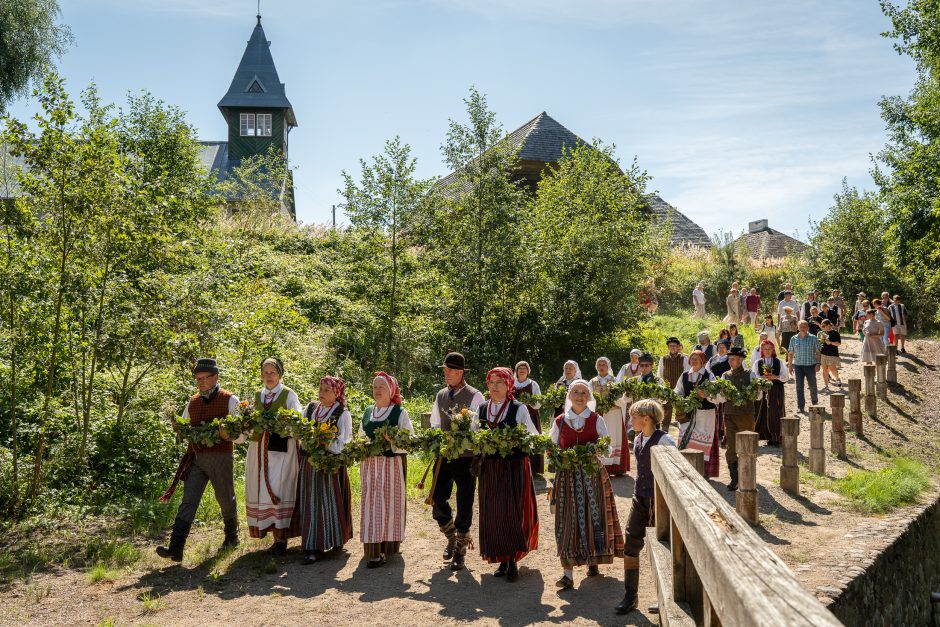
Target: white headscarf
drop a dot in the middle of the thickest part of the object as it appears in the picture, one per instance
(592, 402)
(577, 371)
(610, 367)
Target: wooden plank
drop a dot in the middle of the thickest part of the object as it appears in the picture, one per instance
(670, 611)
(745, 582)
(696, 458)
(746, 498)
(661, 513)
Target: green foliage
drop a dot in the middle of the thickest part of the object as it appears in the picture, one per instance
(30, 39)
(877, 492)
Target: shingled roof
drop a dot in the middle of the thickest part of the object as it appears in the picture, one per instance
(541, 141)
(256, 83)
(763, 242)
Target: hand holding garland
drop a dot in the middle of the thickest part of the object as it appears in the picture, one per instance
(584, 457)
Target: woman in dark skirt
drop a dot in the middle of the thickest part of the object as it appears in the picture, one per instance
(524, 385)
(770, 409)
(325, 497)
(509, 524)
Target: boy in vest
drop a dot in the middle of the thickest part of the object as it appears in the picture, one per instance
(671, 367)
(645, 416)
(205, 464)
(737, 417)
(454, 397)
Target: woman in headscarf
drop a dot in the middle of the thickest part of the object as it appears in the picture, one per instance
(524, 385)
(325, 497)
(705, 345)
(272, 466)
(632, 369)
(570, 372)
(618, 459)
(382, 519)
(587, 528)
(698, 429)
(509, 524)
(770, 408)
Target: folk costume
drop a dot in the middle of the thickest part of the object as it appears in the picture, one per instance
(737, 417)
(205, 464)
(564, 381)
(509, 524)
(384, 497)
(272, 467)
(618, 461)
(457, 472)
(632, 368)
(718, 365)
(669, 370)
(531, 388)
(698, 429)
(771, 408)
(325, 497)
(587, 527)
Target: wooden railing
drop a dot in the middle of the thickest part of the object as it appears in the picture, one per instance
(709, 566)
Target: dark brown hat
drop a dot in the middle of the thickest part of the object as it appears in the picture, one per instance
(206, 364)
(737, 352)
(454, 361)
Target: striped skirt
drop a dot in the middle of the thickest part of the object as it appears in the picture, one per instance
(509, 520)
(382, 518)
(587, 528)
(271, 490)
(325, 508)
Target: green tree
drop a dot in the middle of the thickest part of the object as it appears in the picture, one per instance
(30, 39)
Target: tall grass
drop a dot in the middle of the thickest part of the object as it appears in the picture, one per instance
(654, 331)
(879, 491)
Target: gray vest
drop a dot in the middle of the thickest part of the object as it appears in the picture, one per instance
(740, 379)
(445, 404)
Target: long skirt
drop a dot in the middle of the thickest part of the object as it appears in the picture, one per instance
(382, 519)
(587, 528)
(537, 461)
(619, 460)
(770, 410)
(325, 508)
(271, 489)
(700, 434)
(509, 520)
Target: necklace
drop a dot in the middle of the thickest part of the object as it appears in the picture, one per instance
(571, 423)
(381, 413)
(497, 417)
(318, 416)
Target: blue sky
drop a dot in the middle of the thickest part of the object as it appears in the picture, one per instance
(739, 111)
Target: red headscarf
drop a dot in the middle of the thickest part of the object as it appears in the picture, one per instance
(701, 355)
(338, 386)
(506, 375)
(773, 349)
(392, 384)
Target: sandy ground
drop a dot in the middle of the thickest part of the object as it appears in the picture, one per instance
(248, 586)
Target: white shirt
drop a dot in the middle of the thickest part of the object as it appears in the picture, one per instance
(475, 402)
(343, 426)
(784, 372)
(639, 440)
(627, 371)
(535, 390)
(233, 410)
(698, 296)
(694, 377)
(404, 422)
(576, 421)
(659, 370)
(522, 416)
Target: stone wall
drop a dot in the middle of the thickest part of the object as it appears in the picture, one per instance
(894, 587)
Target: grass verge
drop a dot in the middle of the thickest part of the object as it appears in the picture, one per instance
(876, 492)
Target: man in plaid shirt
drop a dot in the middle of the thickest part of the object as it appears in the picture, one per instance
(804, 352)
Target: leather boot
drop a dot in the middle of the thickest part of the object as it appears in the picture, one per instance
(231, 534)
(631, 584)
(733, 471)
(177, 541)
(460, 550)
(450, 532)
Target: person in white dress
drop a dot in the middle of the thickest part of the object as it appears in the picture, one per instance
(618, 460)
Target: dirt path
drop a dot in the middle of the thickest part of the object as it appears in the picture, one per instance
(248, 586)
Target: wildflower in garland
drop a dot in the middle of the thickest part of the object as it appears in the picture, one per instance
(739, 410)
(325, 496)
(272, 464)
(508, 514)
(695, 400)
(608, 392)
(383, 471)
(587, 527)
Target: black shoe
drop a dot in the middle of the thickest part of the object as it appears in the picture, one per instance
(593, 571)
(279, 548)
(565, 583)
(631, 584)
(177, 541)
(733, 471)
(375, 562)
(501, 571)
(458, 562)
(309, 558)
(231, 534)
(169, 554)
(512, 573)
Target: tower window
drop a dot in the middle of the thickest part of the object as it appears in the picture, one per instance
(254, 124)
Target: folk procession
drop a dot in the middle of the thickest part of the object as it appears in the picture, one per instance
(486, 446)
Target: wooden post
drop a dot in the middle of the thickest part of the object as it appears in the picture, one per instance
(696, 458)
(426, 420)
(855, 403)
(837, 404)
(746, 497)
(892, 373)
(881, 362)
(790, 471)
(871, 403)
(817, 451)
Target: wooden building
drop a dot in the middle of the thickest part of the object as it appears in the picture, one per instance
(763, 242)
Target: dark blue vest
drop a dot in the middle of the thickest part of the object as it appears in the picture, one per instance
(644, 465)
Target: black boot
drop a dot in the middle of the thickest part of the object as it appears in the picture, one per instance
(460, 550)
(451, 534)
(512, 573)
(231, 534)
(733, 471)
(501, 571)
(631, 584)
(177, 541)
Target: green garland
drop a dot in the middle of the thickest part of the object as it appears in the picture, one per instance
(580, 456)
(504, 442)
(208, 433)
(452, 442)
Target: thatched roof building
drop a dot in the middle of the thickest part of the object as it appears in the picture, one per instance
(763, 242)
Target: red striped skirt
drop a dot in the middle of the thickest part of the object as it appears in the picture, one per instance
(325, 508)
(509, 520)
(382, 518)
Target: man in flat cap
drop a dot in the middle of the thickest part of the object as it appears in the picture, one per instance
(205, 464)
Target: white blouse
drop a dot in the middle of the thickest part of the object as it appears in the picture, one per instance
(627, 371)
(343, 425)
(404, 422)
(522, 417)
(576, 421)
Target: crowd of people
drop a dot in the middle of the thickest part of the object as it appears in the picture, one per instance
(288, 497)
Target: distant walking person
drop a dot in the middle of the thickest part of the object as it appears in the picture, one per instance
(733, 303)
(805, 353)
(752, 304)
(899, 311)
(873, 330)
(698, 300)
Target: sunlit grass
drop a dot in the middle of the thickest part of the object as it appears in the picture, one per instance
(876, 492)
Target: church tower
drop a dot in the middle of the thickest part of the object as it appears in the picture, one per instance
(256, 107)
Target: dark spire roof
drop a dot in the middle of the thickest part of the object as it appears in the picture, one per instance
(256, 83)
